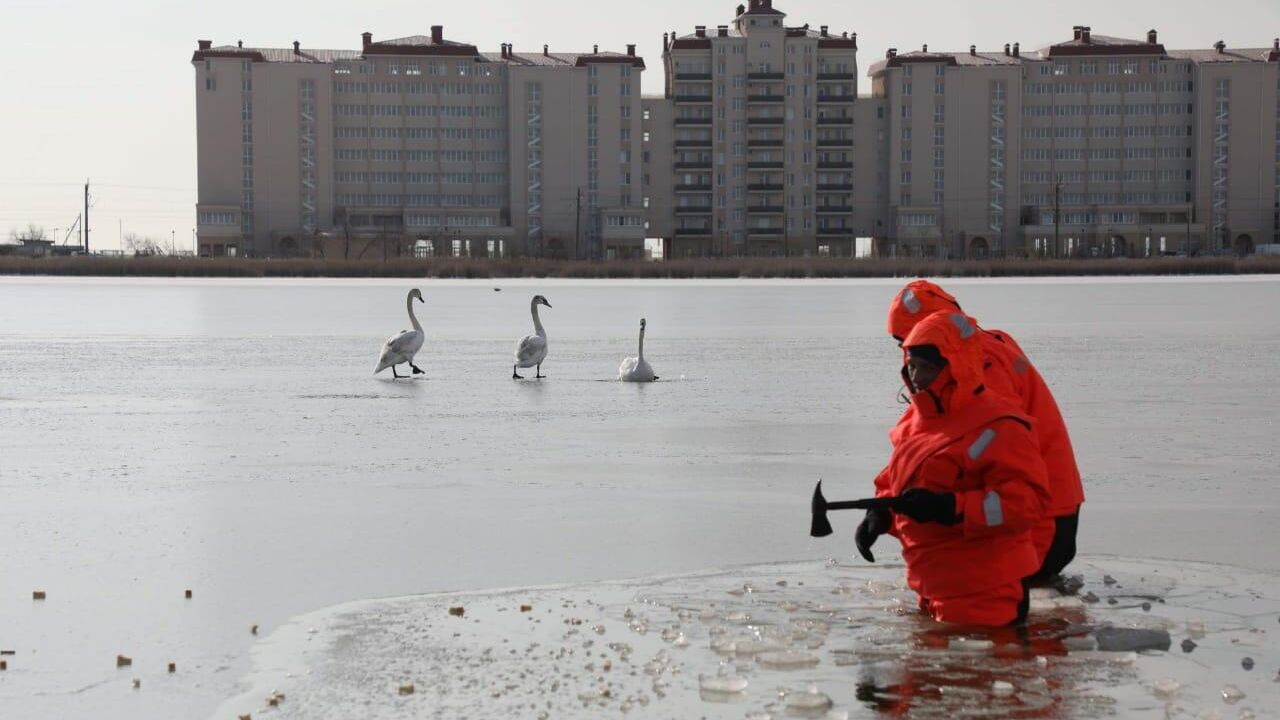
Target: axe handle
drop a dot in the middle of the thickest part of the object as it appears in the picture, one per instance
(886, 503)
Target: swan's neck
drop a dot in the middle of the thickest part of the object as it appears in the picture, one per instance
(537, 323)
(408, 304)
(642, 344)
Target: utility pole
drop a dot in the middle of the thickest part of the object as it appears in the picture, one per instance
(85, 227)
(1057, 213)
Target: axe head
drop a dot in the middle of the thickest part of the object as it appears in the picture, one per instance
(819, 526)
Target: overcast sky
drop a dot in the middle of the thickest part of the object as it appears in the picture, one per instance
(105, 90)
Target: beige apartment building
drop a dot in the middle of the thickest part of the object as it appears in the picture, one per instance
(418, 145)
(1095, 146)
(759, 145)
(757, 148)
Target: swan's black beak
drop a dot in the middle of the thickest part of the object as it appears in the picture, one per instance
(544, 302)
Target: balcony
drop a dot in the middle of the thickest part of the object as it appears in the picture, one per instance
(693, 99)
(765, 121)
(766, 99)
(835, 165)
(765, 209)
(835, 120)
(694, 165)
(835, 232)
(753, 144)
(693, 77)
(836, 99)
(835, 142)
(774, 76)
(693, 121)
(834, 209)
(693, 209)
(831, 77)
(694, 188)
(764, 165)
(766, 231)
(835, 187)
(693, 232)
(693, 143)
(764, 187)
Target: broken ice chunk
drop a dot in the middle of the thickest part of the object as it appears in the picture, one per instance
(1114, 639)
(1165, 688)
(1232, 694)
(725, 684)
(969, 645)
(787, 659)
(808, 703)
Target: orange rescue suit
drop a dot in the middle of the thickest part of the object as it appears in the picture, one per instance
(1008, 372)
(959, 438)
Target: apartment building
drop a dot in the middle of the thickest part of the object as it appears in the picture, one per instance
(764, 128)
(1095, 146)
(418, 145)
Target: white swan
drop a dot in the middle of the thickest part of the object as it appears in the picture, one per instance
(401, 348)
(531, 350)
(637, 369)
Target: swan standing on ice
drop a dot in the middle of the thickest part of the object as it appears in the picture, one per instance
(532, 349)
(637, 369)
(401, 348)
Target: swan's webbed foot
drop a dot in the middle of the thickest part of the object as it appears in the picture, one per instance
(416, 370)
(539, 376)
(515, 375)
(396, 374)
(655, 377)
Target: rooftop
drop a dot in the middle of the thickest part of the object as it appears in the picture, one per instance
(1083, 44)
(414, 46)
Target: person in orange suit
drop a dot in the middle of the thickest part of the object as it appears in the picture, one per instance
(1008, 372)
(968, 481)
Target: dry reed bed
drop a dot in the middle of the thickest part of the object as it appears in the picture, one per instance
(678, 268)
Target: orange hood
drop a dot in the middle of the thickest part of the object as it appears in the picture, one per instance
(958, 339)
(915, 302)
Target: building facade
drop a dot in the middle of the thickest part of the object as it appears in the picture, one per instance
(761, 151)
(418, 145)
(759, 145)
(1093, 147)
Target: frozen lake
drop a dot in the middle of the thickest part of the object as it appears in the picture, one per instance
(228, 437)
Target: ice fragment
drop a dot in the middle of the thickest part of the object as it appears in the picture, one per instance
(1232, 694)
(722, 683)
(807, 701)
(1165, 688)
(1113, 639)
(787, 659)
(970, 645)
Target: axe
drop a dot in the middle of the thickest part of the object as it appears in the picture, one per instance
(820, 527)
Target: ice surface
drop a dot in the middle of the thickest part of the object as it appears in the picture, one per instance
(851, 647)
(226, 436)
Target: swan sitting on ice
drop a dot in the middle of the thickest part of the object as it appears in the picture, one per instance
(637, 369)
(531, 350)
(401, 348)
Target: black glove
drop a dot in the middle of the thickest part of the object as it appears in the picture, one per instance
(875, 524)
(928, 506)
